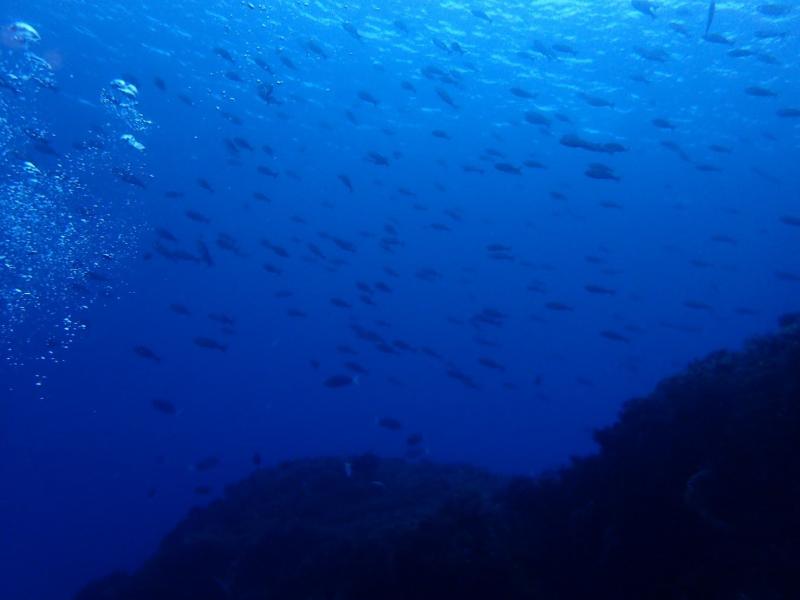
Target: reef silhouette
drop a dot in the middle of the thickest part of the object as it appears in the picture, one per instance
(694, 493)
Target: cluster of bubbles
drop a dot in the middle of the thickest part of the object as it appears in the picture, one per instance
(38, 235)
(121, 98)
(21, 65)
(63, 224)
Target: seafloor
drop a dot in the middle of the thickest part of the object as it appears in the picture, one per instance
(694, 493)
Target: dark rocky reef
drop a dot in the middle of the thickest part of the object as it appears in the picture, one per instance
(694, 493)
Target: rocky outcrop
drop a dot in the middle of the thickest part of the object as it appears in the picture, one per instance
(694, 493)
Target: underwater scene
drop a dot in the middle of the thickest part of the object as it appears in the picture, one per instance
(349, 300)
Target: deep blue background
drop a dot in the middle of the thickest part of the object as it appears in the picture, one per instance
(80, 453)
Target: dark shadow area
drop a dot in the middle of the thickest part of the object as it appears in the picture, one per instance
(694, 493)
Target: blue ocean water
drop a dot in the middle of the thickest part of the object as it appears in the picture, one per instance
(240, 232)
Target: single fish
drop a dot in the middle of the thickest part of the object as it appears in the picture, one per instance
(645, 7)
(390, 423)
(164, 406)
(209, 344)
(146, 353)
(339, 381)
